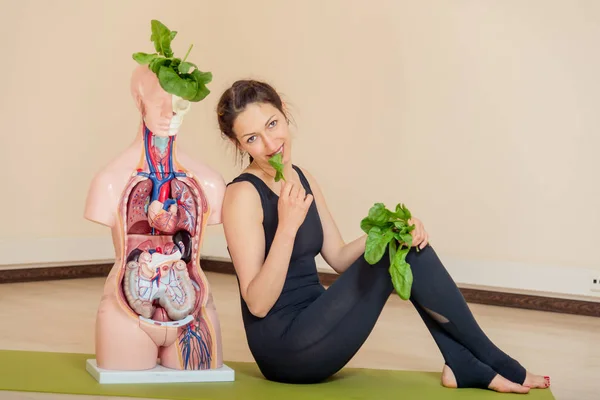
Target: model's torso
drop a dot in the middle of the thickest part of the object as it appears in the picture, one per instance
(302, 285)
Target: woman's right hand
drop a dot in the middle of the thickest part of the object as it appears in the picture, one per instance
(292, 206)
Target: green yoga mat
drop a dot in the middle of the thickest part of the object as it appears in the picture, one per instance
(65, 373)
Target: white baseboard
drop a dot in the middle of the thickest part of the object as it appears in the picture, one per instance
(522, 277)
(563, 281)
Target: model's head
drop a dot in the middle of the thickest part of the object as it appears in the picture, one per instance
(162, 112)
(252, 115)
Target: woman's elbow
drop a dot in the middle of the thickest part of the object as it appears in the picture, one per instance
(259, 314)
(257, 304)
(258, 311)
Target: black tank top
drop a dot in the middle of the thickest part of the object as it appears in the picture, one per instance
(302, 285)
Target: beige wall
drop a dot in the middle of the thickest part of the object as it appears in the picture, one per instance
(482, 116)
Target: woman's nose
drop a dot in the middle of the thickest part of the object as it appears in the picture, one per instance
(271, 145)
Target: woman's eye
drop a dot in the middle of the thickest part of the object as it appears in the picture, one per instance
(273, 123)
(251, 139)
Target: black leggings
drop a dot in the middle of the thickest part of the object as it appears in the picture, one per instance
(324, 336)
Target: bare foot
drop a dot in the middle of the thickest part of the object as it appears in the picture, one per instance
(498, 384)
(503, 385)
(536, 381)
(448, 379)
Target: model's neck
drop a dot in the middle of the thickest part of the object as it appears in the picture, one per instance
(269, 172)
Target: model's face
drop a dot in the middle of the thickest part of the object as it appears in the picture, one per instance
(163, 112)
(262, 131)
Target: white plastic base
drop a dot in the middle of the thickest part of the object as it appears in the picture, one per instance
(159, 374)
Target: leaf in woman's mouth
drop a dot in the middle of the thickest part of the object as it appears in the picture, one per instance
(277, 163)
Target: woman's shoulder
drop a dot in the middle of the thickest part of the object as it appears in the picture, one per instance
(243, 185)
(241, 198)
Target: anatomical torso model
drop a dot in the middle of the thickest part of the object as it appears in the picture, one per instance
(157, 302)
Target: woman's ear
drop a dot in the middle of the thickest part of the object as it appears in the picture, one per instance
(238, 146)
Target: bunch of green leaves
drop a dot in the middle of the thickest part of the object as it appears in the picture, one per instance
(176, 76)
(277, 162)
(385, 228)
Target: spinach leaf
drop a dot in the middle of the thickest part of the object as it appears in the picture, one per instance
(391, 229)
(144, 58)
(277, 163)
(162, 38)
(176, 76)
(401, 274)
(377, 241)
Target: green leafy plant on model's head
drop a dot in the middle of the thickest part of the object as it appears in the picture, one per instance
(386, 228)
(176, 76)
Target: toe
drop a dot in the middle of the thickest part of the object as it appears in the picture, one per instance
(536, 381)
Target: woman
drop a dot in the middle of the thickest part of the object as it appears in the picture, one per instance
(297, 331)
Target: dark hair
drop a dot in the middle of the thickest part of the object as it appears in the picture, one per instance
(235, 99)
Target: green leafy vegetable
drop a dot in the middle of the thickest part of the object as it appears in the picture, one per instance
(277, 163)
(162, 38)
(391, 229)
(377, 241)
(144, 58)
(401, 274)
(176, 76)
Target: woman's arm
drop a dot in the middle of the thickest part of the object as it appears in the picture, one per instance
(261, 282)
(338, 254)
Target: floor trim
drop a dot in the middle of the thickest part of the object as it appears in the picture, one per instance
(478, 296)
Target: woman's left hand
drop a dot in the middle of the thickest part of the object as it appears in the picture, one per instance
(420, 237)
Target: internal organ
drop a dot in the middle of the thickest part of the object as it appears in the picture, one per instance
(176, 212)
(159, 276)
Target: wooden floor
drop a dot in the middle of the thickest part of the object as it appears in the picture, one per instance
(566, 347)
